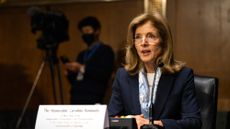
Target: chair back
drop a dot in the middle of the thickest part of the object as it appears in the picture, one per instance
(207, 93)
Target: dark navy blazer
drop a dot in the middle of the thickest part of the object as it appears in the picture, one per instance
(175, 104)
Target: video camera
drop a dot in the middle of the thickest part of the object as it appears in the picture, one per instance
(53, 25)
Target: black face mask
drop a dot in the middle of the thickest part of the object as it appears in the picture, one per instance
(88, 38)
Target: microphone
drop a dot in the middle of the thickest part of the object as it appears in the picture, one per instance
(151, 125)
(151, 107)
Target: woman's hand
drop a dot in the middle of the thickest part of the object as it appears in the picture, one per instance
(158, 122)
(140, 120)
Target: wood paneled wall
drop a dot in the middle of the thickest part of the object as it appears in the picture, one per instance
(201, 30)
(20, 58)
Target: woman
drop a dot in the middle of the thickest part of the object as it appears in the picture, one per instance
(152, 73)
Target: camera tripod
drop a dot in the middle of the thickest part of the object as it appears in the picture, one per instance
(52, 59)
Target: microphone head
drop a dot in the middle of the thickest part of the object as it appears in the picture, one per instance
(161, 64)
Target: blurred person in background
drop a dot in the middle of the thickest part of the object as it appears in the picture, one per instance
(90, 73)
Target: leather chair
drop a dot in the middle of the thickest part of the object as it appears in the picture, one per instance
(207, 93)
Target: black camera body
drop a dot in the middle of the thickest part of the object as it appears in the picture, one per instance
(53, 25)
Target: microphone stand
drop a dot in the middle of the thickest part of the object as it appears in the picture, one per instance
(151, 124)
(151, 109)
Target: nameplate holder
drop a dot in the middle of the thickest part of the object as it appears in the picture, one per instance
(72, 117)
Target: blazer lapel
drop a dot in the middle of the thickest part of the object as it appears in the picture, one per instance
(134, 94)
(164, 87)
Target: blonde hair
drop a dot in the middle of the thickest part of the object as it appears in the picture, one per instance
(132, 61)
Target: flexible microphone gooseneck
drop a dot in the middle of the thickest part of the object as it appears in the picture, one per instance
(151, 107)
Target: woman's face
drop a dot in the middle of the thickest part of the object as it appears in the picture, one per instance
(147, 42)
